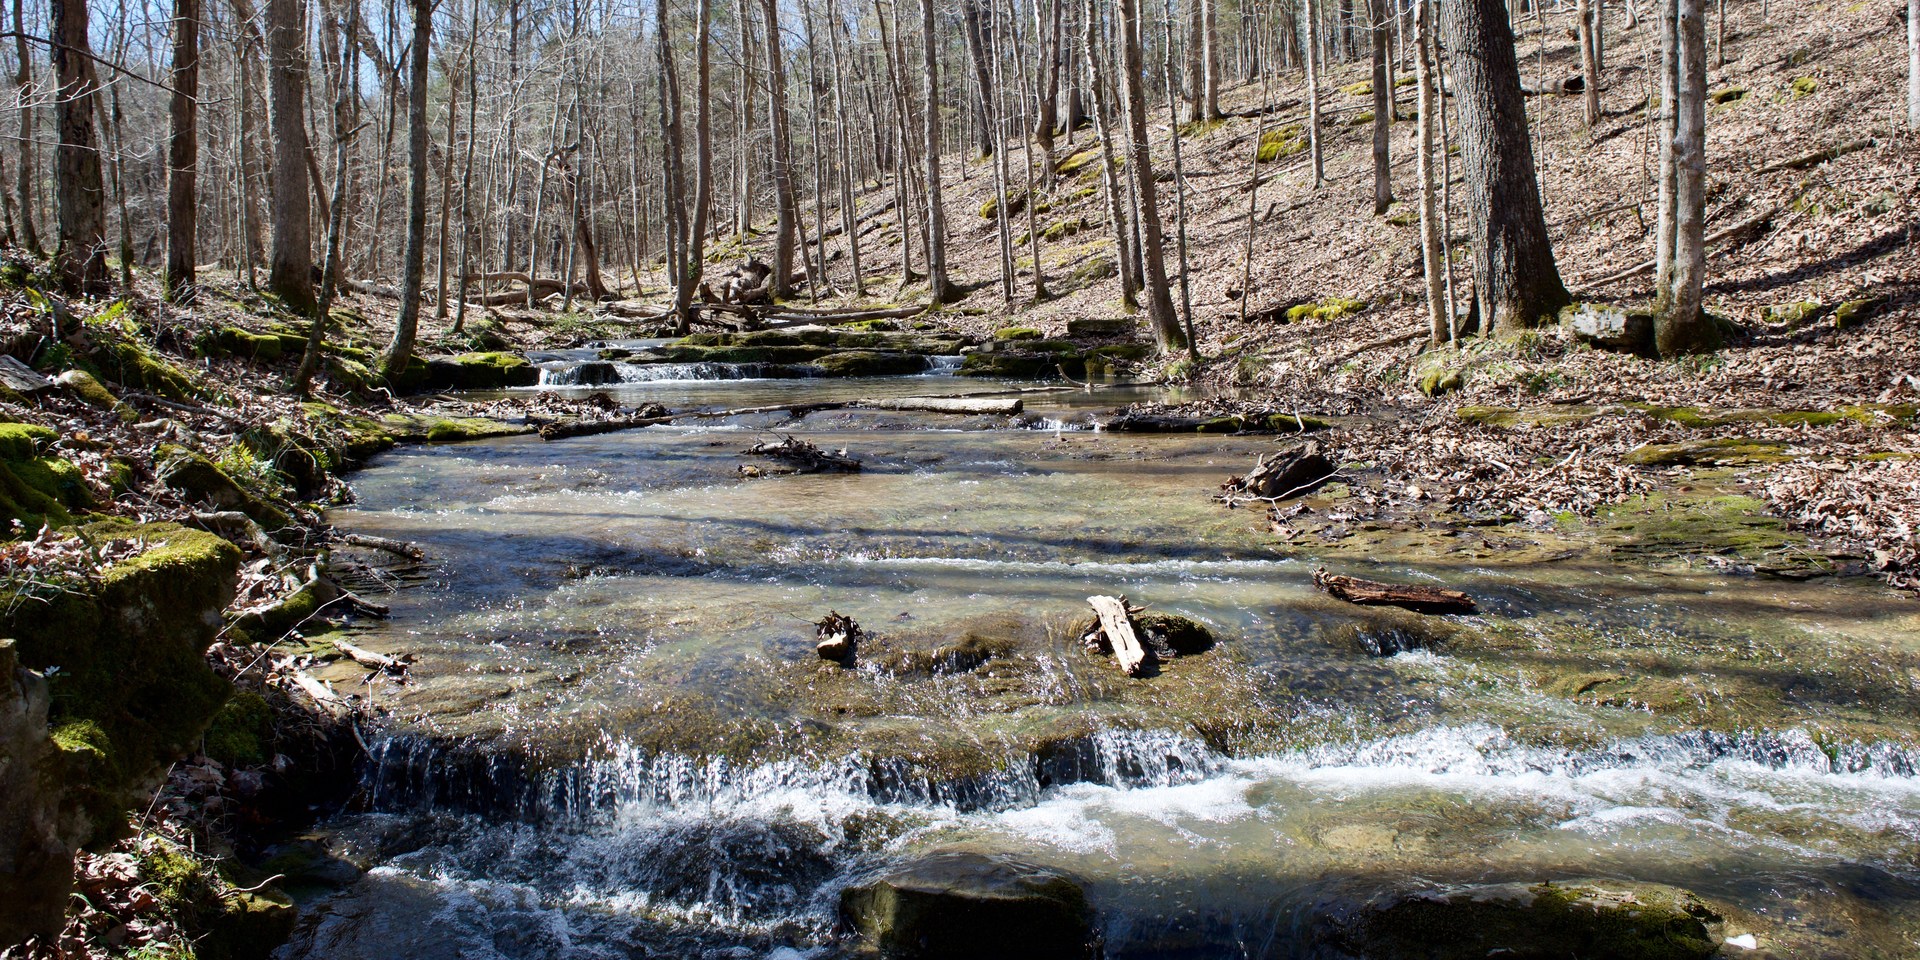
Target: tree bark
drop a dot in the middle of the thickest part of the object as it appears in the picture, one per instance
(1684, 327)
(1589, 60)
(183, 151)
(1166, 323)
(24, 192)
(80, 260)
(1431, 250)
(939, 289)
(786, 206)
(346, 91)
(1110, 177)
(1663, 235)
(1313, 94)
(1378, 11)
(413, 270)
(1516, 282)
(290, 265)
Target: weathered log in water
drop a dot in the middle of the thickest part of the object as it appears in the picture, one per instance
(976, 407)
(1116, 626)
(1291, 472)
(804, 456)
(395, 667)
(1407, 596)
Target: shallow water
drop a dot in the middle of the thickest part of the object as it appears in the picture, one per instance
(622, 743)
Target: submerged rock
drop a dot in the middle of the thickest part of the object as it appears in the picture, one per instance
(1547, 921)
(969, 905)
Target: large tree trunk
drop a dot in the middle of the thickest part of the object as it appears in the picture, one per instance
(1378, 11)
(691, 243)
(1166, 323)
(1684, 326)
(80, 261)
(24, 192)
(1431, 250)
(290, 267)
(786, 206)
(938, 287)
(1516, 283)
(1047, 28)
(977, 40)
(183, 150)
(1663, 234)
(413, 268)
(347, 89)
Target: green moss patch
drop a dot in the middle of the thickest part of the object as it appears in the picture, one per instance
(1280, 143)
(481, 371)
(36, 490)
(870, 363)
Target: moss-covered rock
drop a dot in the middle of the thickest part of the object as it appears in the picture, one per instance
(1088, 159)
(969, 905)
(1013, 366)
(89, 390)
(1728, 95)
(1332, 308)
(870, 363)
(1098, 328)
(131, 363)
(1806, 311)
(1018, 333)
(1856, 312)
(1016, 202)
(1610, 327)
(227, 922)
(1280, 143)
(235, 342)
(481, 371)
(36, 489)
(1438, 372)
(1726, 451)
(1622, 920)
(132, 690)
(200, 480)
(427, 428)
(240, 731)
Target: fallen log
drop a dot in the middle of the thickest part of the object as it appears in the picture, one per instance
(1290, 472)
(1751, 225)
(396, 547)
(322, 694)
(1817, 157)
(958, 405)
(1406, 596)
(1116, 626)
(380, 663)
(835, 637)
(804, 456)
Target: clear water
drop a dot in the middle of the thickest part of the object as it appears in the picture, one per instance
(622, 744)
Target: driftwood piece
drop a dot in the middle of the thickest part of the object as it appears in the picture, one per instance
(1116, 623)
(398, 548)
(1373, 593)
(945, 405)
(322, 694)
(395, 667)
(804, 456)
(1289, 473)
(836, 636)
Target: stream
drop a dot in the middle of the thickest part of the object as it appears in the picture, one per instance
(621, 743)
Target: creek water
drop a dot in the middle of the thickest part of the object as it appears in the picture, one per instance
(621, 742)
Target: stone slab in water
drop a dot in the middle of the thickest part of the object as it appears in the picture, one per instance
(1546, 921)
(968, 905)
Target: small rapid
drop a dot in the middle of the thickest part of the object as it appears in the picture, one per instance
(622, 741)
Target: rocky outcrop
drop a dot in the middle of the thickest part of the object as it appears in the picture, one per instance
(130, 689)
(968, 905)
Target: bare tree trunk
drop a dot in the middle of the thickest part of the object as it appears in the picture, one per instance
(1379, 11)
(413, 268)
(1913, 63)
(1110, 178)
(290, 268)
(786, 205)
(1667, 130)
(1046, 98)
(939, 289)
(691, 241)
(849, 220)
(1166, 323)
(345, 93)
(1515, 280)
(1684, 326)
(183, 150)
(446, 194)
(24, 190)
(983, 81)
(1589, 61)
(80, 261)
(1313, 94)
(1438, 331)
